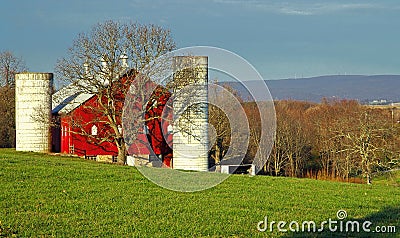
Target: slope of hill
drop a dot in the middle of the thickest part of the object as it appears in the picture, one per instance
(46, 196)
(359, 87)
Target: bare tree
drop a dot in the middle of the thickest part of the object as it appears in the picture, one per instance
(7, 119)
(291, 148)
(97, 61)
(9, 66)
(366, 142)
(222, 128)
(351, 138)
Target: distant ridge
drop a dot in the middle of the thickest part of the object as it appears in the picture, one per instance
(359, 87)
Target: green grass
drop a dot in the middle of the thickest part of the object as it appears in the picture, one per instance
(391, 178)
(47, 196)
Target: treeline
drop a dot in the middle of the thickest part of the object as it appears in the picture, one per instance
(9, 66)
(338, 139)
(7, 118)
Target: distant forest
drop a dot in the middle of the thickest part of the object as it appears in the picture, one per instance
(336, 139)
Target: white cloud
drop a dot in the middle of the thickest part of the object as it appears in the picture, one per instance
(320, 8)
(304, 7)
(291, 11)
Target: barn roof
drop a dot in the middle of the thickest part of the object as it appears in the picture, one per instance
(67, 99)
(70, 97)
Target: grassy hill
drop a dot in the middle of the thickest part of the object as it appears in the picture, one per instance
(42, 195)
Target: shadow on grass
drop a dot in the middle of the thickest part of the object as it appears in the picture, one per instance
(386, 219)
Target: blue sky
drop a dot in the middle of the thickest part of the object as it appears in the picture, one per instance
(282, 39)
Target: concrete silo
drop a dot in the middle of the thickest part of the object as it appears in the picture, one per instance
(190, 138)
(33, 111)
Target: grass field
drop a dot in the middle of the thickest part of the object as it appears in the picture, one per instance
(47, 196)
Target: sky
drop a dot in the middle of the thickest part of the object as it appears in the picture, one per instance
(281, 39)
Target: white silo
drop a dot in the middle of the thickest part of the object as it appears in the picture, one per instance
(190, 138)
(33, 111)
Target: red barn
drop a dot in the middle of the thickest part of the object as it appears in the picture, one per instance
(83, 129)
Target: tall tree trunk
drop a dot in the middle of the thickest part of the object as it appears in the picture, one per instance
(218, 150)
(369, 181)
(121, 157)
(7, 76)
(368, 173)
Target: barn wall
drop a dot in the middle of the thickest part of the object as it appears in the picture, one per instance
(80, 121)
(72, 142)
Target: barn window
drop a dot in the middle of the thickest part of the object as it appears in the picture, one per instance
(170, 129)
(94, 130)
